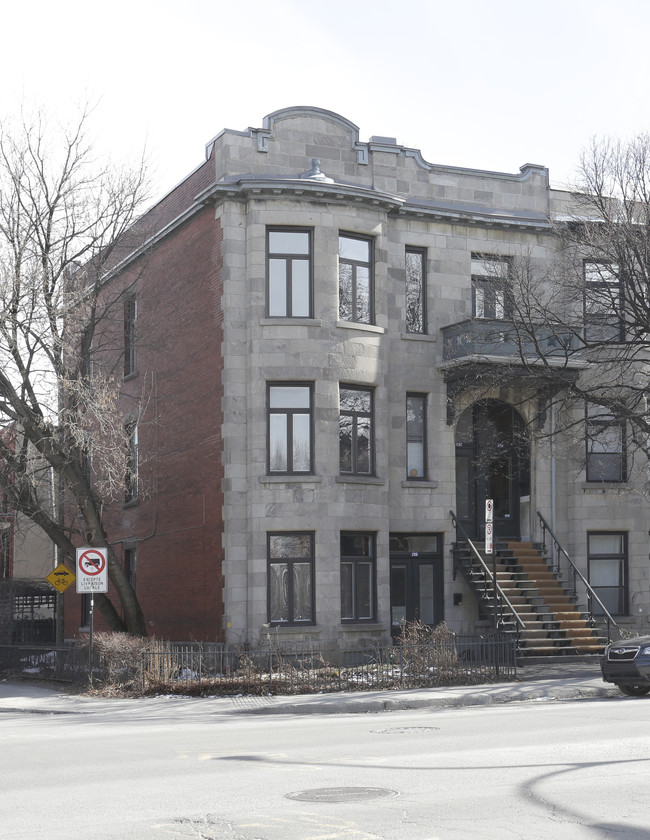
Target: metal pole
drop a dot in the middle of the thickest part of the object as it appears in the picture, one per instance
(90, 645)
(496, 618)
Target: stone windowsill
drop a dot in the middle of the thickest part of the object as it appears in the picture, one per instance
(603, 486)
(291, 322)
(418, 337)
(359, 479)
(290, 479)
(357, 325)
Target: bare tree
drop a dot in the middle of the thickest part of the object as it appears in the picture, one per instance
(64, 221)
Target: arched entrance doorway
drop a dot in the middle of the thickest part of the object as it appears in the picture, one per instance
(492, 462)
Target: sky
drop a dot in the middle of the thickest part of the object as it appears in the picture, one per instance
(485, 84)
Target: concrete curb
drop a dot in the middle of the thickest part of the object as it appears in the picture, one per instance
(24, 698)
(369, 705)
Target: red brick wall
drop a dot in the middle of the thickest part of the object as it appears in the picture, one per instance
(176, 526)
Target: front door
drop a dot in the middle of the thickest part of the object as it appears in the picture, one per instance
(492, 462)
(416, 580)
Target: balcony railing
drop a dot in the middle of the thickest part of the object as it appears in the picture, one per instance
(484, 339)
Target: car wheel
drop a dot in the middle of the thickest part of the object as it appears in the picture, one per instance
(634, 689)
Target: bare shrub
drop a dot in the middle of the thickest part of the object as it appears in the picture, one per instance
(119, 656)
(428, 652)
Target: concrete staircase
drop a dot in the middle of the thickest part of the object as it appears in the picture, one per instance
(555, 624)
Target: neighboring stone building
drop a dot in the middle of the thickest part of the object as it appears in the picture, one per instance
(296, 328)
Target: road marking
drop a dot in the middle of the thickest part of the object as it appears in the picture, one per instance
(326, 830)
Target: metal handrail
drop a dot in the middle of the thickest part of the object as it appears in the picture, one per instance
(486, 570)
(576, 573)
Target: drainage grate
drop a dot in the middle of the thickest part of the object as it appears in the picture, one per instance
(344, 794)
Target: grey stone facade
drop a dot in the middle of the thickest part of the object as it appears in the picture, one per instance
(266, 178)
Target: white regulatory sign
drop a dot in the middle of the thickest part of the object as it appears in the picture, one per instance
(489, 538)
(92, 570)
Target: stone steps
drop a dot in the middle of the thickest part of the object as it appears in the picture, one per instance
(555, 626)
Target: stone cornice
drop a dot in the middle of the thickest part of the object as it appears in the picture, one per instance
(247, 188)
(250, 187)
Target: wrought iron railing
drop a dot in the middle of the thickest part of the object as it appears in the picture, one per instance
(491, 337)
(573, 576)
(491, 587)
(462, 661)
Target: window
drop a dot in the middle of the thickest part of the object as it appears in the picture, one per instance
(5, 550)
(85, 354)
(415, 290)
(85, 611)
(131, 472)
(602, 304)
(605, 441)
(290, 578)
(489, 287)
(289, 428)
(356, 431)
(130, 559)
(355, 279)
(607, 558)
(130, 316)
(357, 577)
(416, 405)
(289, 273)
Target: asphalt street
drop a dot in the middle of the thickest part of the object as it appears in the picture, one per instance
(555, 754)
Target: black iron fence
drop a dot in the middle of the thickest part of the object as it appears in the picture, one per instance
(68, 664)
(27, 612)
(228, 670)
(204, 669)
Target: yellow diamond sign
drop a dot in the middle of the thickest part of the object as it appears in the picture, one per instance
(61, 578)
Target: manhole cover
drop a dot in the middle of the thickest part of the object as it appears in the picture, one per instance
(346, 794)
(401, 730)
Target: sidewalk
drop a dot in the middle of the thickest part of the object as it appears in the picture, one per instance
(534, 683)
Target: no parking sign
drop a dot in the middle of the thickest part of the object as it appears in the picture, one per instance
(92, 570)
(489, 528)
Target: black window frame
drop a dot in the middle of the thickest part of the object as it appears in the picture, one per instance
(491, 285)
(412, 437)
(130, 334)
(132, 464)
(596, 425)
(290, 562)
(289, 413)
(84, 607)
(623, 570)
(604, 324)
(355, 562)
(355, 454)
(421, 306)
(86, 353)
(6, 550)
(289, 258)
(130, 564)
(354, 266)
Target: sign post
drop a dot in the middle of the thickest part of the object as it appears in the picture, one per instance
(489, 549)
(92, 576)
